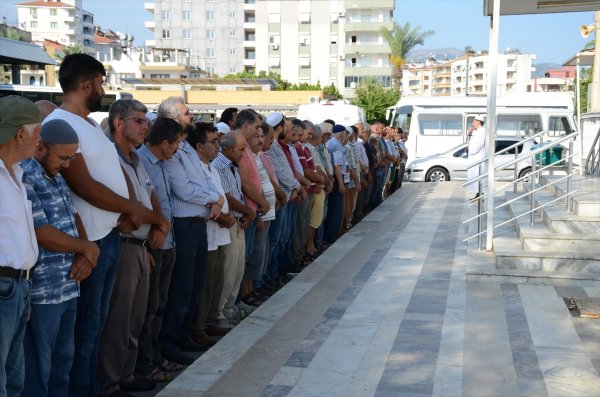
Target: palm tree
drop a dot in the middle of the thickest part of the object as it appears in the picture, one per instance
(68, 50)
(402, 39)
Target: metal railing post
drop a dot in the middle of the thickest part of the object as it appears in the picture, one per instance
(532, 184)
(516, 175)
(479, 205)
(569, 172)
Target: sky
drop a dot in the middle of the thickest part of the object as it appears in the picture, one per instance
(456, 23)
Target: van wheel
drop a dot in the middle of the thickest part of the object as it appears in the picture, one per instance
(525, 172)
(437, 174)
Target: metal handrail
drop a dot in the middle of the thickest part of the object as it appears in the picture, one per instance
(534, 173)
(531, 153)
(523, 214)
(514, 145)
(591, 168)
(519, 197)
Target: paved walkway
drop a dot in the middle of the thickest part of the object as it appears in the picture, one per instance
(387, 311)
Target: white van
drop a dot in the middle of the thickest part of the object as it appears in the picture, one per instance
(338, 111)
(437, 124)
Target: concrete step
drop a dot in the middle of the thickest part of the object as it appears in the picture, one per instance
(538, 237)
(586, 201)
(535, 248)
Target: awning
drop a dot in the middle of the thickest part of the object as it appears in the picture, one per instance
(586, 58)
(521, 7)
(14, 52)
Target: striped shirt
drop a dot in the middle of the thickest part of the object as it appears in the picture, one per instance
(191, 186)
(350, 154)
(51, 205)
(283, 170)
(267, 188)
(230, 179)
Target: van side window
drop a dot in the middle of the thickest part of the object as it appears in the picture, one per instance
(440, 124)
(558, 126)
(518, 124)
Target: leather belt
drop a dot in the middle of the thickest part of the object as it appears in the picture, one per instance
(6, 271)
(134, 241)
(195, 219)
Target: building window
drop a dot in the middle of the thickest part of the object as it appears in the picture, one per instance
(232, 14)
(165, 15)
(232, 70)
(186, 15)
(210, 15)
(232, 51)
(33, 24)
(53, 25)
(210, 69)
(232, 33)
(210, 52)
(159, 76)
(53, 13)
(186, 33)
(166, 33)
(210, 34)
(33, 12)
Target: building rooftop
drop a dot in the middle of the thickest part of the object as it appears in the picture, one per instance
(56, 4)
(14, 52)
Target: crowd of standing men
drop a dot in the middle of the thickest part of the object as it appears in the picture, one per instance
(123, 249)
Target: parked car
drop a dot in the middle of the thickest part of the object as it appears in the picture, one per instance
(452, 165)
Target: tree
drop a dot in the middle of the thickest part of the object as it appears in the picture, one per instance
(374, 99)
(402, 39)
(74, 49)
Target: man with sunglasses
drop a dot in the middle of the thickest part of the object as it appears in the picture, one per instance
(66, 258)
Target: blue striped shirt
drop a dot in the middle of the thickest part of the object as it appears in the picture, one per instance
(156, 171)
(192, 188)
(230, 179)
(51, 205)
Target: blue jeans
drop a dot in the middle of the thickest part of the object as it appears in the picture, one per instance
(250, 232)
(92, 310)
(15, 295)
(187, 279)
(49, 349)
(288, 236)
(275, 238)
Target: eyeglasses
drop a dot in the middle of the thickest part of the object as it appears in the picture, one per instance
(63, 159)
(139, 120)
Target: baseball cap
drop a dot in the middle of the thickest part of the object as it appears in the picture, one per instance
(338, 128)
(325, 128)
(222, 127)
(274, 119)
(15, 112)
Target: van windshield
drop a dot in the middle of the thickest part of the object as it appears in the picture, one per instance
(402, 120)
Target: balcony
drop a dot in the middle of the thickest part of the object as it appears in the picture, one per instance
(366, 48)
(149, 7)
(364, 71)
(150, 43)
(250, 62)
(150, 25)
(369, 4)
(250, 25)
(249, 5)
(367, 26)
(249, 43)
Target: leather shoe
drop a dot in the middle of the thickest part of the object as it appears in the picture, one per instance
(203, 339)
(138, 385)
(180, 359)
(215, 330)
(192, 346)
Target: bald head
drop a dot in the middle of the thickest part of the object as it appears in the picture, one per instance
(45, 107)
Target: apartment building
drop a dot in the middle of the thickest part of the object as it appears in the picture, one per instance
(305, 41)
(468, 75)
(211, 35)
(62, 21)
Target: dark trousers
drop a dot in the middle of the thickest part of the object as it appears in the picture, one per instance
(186, 282)
(335, 212)
(149, 355)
